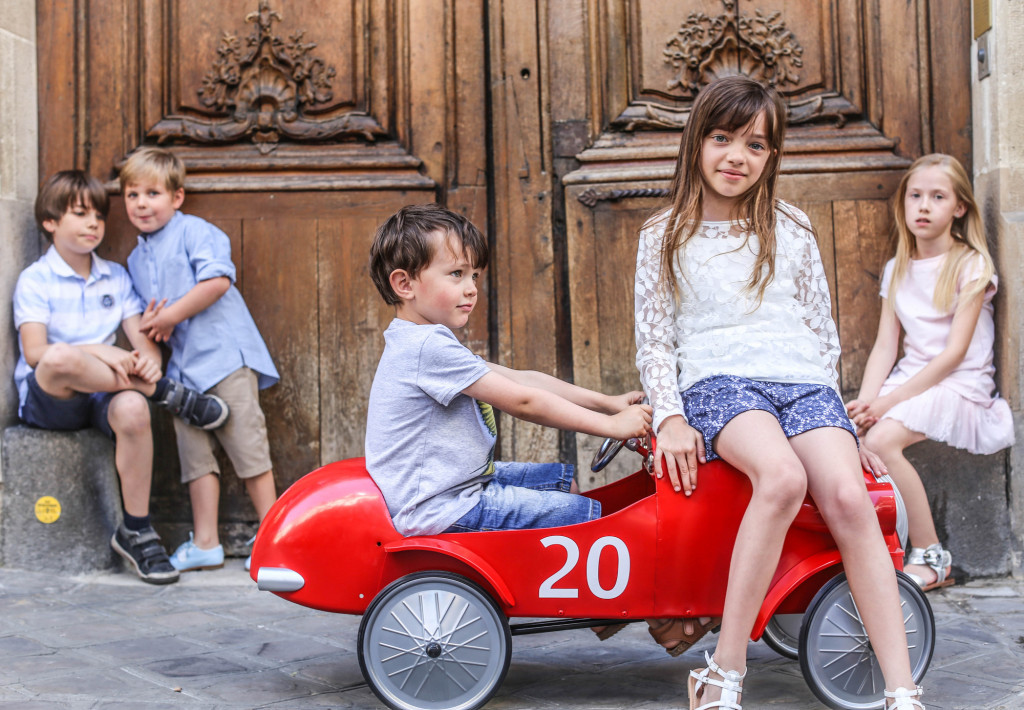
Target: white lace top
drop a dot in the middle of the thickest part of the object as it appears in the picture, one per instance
(713, 327)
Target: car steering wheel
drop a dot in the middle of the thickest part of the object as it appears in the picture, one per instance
(611, 447)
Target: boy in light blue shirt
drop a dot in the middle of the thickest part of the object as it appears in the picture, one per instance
(182, 269)
(70, 375)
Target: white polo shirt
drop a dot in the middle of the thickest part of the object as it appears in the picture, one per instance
(74, 310)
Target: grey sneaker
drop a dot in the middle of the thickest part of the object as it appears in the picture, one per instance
(145, 553)
(206, 411)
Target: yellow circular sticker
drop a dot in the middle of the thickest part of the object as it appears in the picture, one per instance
(47, 509)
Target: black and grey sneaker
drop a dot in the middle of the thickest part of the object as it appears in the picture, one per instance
(206, 411)
(146, 554)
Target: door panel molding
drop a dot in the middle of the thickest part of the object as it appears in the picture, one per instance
(826, 59)
(261, 94)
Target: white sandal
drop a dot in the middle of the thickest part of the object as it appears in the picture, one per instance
(936, 557)
(903, 698)
(731, 685)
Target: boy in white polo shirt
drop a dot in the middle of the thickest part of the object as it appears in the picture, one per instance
(68, 306)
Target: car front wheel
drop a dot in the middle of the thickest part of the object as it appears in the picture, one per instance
(433, 641)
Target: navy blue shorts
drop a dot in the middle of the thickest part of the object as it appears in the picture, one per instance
(711, 403)
(82, 411)
(528, 495)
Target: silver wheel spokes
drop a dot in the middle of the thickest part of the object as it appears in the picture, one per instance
(846, 661)
(435, 645)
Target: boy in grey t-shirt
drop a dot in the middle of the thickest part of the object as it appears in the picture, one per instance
(430, 427)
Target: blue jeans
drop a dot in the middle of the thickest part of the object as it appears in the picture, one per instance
(528, 495)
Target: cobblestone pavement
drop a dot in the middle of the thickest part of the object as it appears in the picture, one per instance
(213, 641)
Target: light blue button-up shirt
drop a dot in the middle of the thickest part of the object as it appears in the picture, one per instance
(212, 344)
(74, 310)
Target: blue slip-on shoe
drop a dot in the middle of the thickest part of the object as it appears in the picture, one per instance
(190, 557)
(248, 560)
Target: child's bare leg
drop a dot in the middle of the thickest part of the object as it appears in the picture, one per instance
(64, 370)
(836, 483)
(754, 443)
(888, 438)
(204, 493)
(262, 492)
(128, 416)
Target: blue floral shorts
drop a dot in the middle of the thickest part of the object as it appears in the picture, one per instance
(711, 403)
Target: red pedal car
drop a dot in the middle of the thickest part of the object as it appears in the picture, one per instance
(435, 631)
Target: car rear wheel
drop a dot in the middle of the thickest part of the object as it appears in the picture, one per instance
(782, 634)
(836, 658)
(432, 641)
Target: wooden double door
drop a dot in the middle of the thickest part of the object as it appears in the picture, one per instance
(552, 125)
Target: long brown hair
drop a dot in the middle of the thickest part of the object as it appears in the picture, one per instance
(727, 104)
(968, 236)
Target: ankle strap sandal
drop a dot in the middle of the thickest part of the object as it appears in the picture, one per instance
(936, 557)
(731, 685)
(903, 698)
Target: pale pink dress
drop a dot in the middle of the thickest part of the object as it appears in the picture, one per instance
(964, 410)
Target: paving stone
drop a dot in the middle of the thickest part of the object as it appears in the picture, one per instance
(193, 666)
(290, 650)
(20, 646)
(15, 670)
(139, 650)
(84, 634)
(94, 683)
(267, 685)
(229, 647)
(341, 672)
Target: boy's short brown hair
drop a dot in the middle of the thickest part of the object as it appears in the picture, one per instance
(65, 190)
(156, 164)
(403, 242)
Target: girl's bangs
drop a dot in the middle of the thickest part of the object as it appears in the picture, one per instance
(734, 115)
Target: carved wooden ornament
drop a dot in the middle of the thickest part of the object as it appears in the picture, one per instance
(757, 45)
(707, 47)
(266, 87)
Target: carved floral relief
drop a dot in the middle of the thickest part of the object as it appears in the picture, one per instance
(706, 46)
(267, 85)
(758, 45)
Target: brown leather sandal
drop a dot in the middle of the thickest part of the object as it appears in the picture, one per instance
(606, 632)
(677, 635)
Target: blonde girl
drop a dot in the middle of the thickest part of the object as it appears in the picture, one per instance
(737, 351)
(938, 289)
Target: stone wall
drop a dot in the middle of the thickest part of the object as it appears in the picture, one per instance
(998, 107)
(19, 158)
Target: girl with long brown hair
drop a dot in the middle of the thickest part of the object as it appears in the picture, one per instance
(738, 353)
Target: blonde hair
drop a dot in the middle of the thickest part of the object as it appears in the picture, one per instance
(729, 104)
(968, 237)
(157, 164)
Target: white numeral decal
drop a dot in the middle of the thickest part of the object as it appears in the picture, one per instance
(594, 560)
(572, 556)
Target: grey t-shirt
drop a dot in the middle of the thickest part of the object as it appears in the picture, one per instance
(429, 447)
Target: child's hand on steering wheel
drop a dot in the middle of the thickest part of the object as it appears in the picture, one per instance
(619, 402)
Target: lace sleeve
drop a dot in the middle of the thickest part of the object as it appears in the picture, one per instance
(816, 302)
(655, 312)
